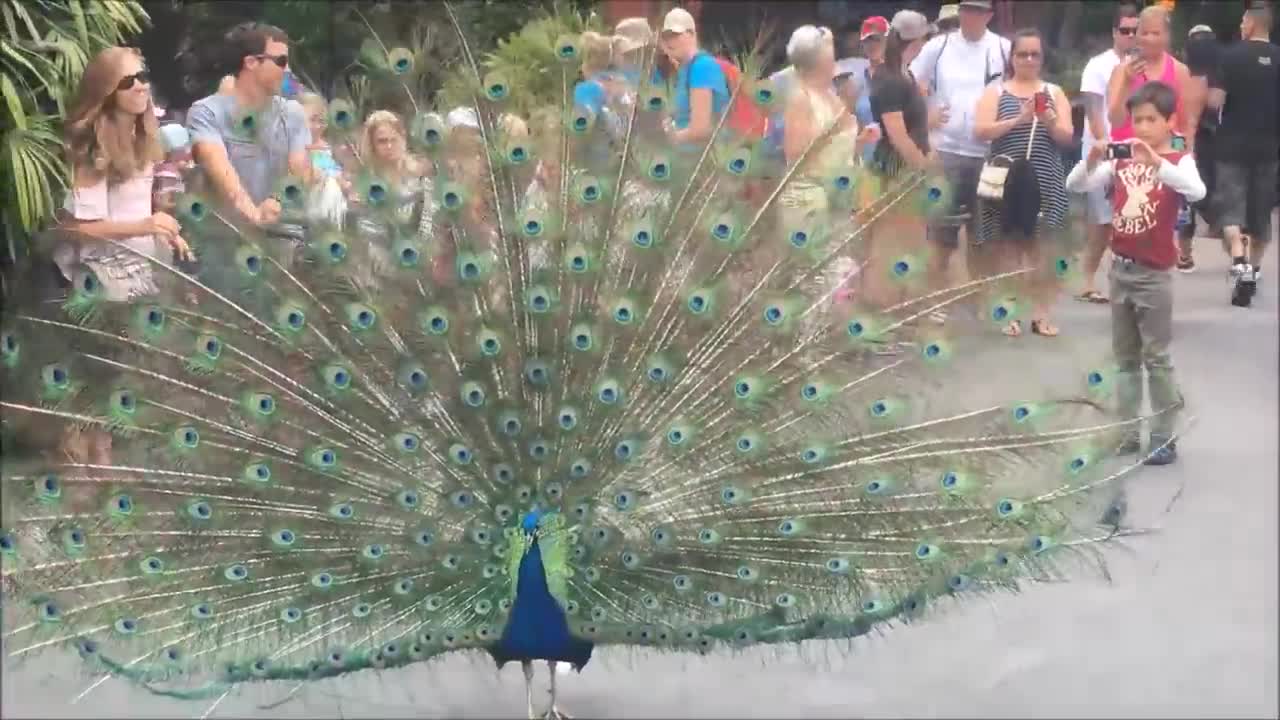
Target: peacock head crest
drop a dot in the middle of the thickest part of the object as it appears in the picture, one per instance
(529, 522)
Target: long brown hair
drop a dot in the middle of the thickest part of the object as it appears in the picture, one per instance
(102, 140)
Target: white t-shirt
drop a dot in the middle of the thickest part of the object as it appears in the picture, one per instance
(1096, 77)
(958, 71)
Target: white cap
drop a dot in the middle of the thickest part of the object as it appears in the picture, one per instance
(462, 117)
(910, 25)
(678, 21)
(1200, 29)
(632, 33)
(946, 12)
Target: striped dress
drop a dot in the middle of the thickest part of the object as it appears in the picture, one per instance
(1046, 159)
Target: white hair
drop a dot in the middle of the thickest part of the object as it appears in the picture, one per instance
(805, 44)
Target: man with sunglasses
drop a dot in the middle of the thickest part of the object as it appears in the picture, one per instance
(1097, 128)
(247, 140)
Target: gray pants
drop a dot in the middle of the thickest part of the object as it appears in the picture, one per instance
(961, 172)
(1141, 332)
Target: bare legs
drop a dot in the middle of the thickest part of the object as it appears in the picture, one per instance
(1099, 238)
(553, 712)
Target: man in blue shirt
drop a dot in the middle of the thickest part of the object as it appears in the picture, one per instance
(702, 91)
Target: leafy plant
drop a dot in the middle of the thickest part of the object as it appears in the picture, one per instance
(44, 47)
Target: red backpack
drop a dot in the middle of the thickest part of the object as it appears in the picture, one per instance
(745, 117)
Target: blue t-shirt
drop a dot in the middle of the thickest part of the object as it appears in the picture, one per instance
(702, 73)
(260, 158)
(590, 94)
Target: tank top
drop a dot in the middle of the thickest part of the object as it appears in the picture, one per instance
(839, 147)
(1168, 76)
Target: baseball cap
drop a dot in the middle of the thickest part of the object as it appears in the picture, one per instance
(1199, 29)
(947, 12)
(910, 25)
(678, 21)
(874, 25)
(976, 4)
(632, 33)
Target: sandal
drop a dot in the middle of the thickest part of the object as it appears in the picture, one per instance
(1043, 327)
(1093, 296)
(1013, 329)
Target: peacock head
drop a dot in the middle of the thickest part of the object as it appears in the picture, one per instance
(529, 523)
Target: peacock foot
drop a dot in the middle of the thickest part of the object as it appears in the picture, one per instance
(555, 713)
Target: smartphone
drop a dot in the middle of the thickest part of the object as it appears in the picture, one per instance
(1042, 102)
(1119, 151)
(1179, 143)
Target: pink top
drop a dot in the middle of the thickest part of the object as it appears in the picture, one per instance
(1168, 76)
(128, 201)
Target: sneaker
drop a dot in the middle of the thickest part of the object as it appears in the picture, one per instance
(1186, 264)
(1238, 271)
(1165, 453)
(1245, 288)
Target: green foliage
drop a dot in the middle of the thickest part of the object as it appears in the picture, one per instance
(43, 51)
(526, 59)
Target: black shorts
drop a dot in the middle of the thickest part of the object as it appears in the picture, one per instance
(1245, 195)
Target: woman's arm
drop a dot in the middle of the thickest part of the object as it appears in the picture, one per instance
(985, 125)
(86, 211)
(798, 130)
(1063, 129)
(895, 131)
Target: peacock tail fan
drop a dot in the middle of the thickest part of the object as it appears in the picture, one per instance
(319, 454)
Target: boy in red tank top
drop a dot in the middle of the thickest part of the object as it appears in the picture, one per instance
(1145, 200)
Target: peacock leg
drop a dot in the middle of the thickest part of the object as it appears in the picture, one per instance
(527, 667)
(554, 713)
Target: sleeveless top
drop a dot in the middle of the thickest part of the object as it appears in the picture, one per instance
(1168, 76)
(122, 274)
(1046, 160)
(838, 149)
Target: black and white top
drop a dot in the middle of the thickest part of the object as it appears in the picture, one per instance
(1046, 159)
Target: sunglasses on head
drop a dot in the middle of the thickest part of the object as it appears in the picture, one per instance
(281, 61)
(1127, 30)
(126, 82)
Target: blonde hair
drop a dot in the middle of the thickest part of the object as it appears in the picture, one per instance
(597, 51)
(105, 142)
(379, 119)
(312, 101)
(1157, 12)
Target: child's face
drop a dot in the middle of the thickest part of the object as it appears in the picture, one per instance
(1150, 126)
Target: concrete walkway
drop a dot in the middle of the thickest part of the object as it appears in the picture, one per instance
(1186, 628)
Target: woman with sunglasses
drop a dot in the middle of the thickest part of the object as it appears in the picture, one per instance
(107, 229)
(1028, 122)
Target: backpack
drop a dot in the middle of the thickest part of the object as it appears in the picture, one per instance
(743, 116)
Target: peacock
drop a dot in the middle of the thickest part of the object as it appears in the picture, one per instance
(571, 400)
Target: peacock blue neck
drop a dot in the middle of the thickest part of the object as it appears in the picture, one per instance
(537, 628)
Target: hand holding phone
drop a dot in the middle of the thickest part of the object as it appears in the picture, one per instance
(1119, 151)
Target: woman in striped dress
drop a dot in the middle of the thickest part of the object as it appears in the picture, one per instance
(1006, 115)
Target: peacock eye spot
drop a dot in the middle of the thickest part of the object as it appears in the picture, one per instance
(799, 238)
(935, 193)
(1095, 378)
(843, 182)
(452, 199)
(90, 283)
(642, 238)
(154, 317)
(743, 389)
(212, 347)
(433, 136)
(439, 324)
(1000, 313)
(1005, 507)
(738, 165)
(773, 315)
(337, 250)
(579, 123)
(901, 267)
(295, 319)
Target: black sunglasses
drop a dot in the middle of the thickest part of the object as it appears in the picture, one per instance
(280, 60)
(126, 82)
(1127, 30)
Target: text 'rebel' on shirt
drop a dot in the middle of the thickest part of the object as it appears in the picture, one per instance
(260, 157)
(1249, 130)
(958, 71)
(1145, 202)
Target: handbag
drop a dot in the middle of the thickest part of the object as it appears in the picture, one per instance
(995, 170)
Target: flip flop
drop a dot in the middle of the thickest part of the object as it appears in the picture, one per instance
(1044, 328)
(1093, 296)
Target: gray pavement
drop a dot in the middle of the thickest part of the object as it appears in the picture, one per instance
(1185, 628)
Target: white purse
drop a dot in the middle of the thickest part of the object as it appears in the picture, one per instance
(995, 170)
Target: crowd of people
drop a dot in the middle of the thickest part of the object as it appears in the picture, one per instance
(1164, 143)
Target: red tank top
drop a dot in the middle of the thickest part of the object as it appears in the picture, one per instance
(1145, 214)
(1168, 76)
